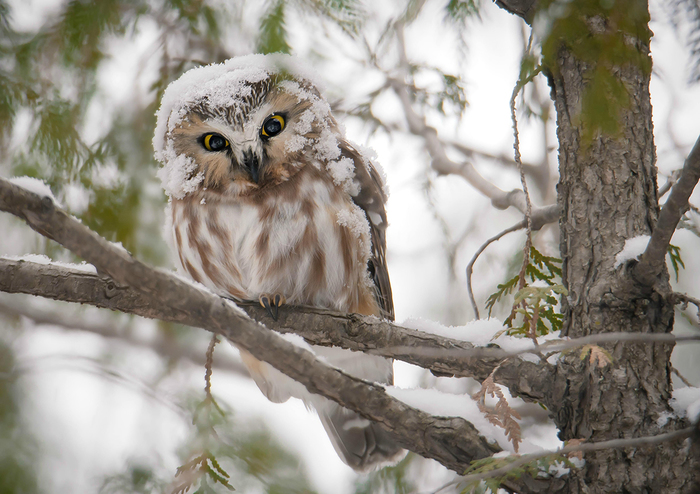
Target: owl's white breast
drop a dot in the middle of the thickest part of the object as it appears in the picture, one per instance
(292, 244)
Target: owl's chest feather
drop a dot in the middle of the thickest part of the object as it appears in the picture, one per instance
(299, 245)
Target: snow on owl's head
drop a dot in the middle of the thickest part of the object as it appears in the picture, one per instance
(241, 125)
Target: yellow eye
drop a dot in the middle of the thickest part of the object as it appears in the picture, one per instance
(214, 142)
(273, 125)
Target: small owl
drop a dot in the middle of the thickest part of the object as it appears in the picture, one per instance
(270, 202)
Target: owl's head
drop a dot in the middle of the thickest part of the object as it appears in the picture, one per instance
(239, 126)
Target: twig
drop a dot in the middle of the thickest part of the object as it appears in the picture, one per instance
(209, 364)
(684, 300)
(440, 162)
(680, 376)
(653, 259)
(470, 266)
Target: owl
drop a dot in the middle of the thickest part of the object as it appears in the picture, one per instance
(269, 201)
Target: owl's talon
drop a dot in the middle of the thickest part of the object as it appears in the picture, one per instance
(272, 304)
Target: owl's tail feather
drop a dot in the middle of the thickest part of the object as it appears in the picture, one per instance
(360, 443)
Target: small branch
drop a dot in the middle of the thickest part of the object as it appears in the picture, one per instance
(436, 148)
(470, 266)
(680, 376)
(516, 149)
(684, 300)
(582, 447)
(653, 259)
(452, 441)
(503, 159)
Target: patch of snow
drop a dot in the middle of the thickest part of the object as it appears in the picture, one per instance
(355, 220)
(47, 261)
(121, 247)
(296, 143)
(326, 146)
(634, 247)
(664, 418)
(76, 197)
(297, 341)
(343, 173)
(34, 185)
(481, 333)
(178, 173)
(686, 402)
(370, 158)
(451, 405)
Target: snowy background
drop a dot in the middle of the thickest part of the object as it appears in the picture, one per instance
(98, 404)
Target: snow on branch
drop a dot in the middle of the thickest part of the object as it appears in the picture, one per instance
(514, 462)
(452, 441)
(440, 354)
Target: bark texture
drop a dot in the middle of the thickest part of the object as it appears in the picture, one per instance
(607, 194)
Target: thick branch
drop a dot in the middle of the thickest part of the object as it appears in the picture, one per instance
(452, 441)
(441, 355)
(653, 260)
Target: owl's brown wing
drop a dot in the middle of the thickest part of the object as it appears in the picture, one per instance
(372, 199)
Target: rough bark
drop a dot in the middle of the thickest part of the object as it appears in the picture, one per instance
(607, 193)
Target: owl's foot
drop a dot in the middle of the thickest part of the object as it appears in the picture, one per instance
(272, 303)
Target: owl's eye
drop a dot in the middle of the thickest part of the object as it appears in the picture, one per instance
(214, 142)
(273, 125)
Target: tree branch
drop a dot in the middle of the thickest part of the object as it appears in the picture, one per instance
(574, 448)
(452, 441)
(443, 356)
(522, 8)
(445, 166)
(653, 259)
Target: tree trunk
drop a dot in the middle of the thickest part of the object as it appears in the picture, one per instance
(607, 193)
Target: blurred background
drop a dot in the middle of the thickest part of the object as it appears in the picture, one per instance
(94, 401)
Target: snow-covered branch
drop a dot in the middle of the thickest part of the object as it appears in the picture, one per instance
(441, 355)
(452, 441)
(523, 460)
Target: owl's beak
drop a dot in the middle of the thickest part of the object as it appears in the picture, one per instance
(252, 163)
